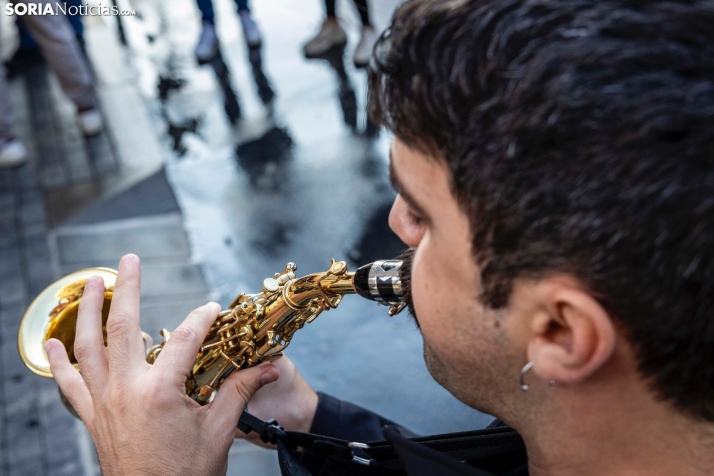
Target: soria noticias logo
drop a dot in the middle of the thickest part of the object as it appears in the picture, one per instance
(61, 8)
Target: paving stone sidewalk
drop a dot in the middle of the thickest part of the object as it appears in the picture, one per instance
(35, 426)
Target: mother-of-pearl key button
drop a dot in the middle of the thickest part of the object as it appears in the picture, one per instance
(271, 284)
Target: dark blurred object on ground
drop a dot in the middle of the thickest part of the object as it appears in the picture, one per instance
(264, 159)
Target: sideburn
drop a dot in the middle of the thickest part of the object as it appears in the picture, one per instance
(405, 274)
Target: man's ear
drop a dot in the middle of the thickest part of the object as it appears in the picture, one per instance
(572, 335)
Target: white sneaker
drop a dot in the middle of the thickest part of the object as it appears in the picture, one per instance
(12, 153)
(90, 122)
(331, 34)
(250, 29)
(363, 52)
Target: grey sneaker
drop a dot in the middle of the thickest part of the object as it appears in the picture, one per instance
(330, 35)
(207, 46)
(363, 52)
(250, 29)
(12, 153)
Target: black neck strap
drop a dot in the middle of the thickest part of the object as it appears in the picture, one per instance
(463, 446)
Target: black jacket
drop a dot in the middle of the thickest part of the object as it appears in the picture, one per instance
(345, 421)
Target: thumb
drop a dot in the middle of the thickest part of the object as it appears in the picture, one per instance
(239, 388)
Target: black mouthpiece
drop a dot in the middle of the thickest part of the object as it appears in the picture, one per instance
(380, 281)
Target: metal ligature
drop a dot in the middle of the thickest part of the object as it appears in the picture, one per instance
(255, 327)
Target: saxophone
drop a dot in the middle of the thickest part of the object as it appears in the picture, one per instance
(254, 328)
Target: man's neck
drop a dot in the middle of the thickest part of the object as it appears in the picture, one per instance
(604, 434)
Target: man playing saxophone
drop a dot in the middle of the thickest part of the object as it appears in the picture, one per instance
(554, 163)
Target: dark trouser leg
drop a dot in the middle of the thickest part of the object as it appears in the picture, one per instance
(330, 8)
(363, 10)
(27, 42)
(76, 20)
(242, 5)
(206, 7)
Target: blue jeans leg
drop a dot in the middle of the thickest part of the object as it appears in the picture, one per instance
(76, 20)
(206, 7)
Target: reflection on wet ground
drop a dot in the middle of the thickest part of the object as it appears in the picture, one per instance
(335, 57)
(265, 159)
(265, 90)
(274, 161)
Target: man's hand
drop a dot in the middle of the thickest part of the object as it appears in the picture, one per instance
(138, 414)
(289, 400)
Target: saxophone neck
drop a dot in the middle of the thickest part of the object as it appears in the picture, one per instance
(380, 281)
(327, 287)
(339, 285)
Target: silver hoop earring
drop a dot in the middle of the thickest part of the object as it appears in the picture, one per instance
(524, 371)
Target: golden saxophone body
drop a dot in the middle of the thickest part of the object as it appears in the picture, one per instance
(255, 327)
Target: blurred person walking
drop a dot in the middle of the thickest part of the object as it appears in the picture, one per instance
(59, 46)
(207, 46)
(28, 54)
(332, 34)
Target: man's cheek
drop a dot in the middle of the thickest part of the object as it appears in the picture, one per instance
(426, 305)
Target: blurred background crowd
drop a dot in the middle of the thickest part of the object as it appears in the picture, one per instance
(218, 140)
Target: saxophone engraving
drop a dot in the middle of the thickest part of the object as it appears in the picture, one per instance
(254, 328)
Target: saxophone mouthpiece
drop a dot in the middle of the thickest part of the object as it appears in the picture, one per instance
(381, 281)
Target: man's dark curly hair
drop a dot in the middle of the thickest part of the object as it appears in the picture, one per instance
(580, 140)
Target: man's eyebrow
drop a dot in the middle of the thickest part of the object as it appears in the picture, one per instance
(397, 186)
